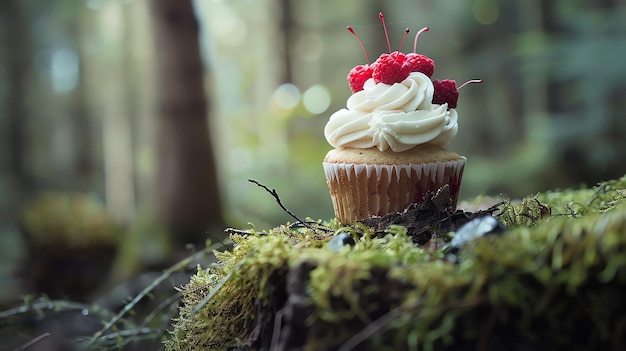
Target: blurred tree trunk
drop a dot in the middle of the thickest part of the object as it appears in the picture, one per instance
(110, 92)
(86, 167)
(187, 196)
(286, 27)
(17, 57)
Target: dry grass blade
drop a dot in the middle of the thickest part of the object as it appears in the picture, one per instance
(32, 342)
(182, 265)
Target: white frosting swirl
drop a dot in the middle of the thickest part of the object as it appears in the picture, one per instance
(398, 116)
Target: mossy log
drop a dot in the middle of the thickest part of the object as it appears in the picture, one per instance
(555, 280)
(71, 243)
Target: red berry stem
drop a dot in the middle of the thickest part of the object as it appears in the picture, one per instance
(360, 43)
(382, 19)
(406, 32)
(470, 82)
(425, 29)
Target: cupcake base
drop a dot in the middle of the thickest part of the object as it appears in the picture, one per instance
(360, 190)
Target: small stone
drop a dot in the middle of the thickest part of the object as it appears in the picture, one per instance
(340, 240)
(474, 229)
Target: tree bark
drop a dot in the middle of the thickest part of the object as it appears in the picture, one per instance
(188, 200)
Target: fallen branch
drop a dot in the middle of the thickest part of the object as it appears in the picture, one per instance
(277, 198)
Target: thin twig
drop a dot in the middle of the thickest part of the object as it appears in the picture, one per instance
(213, 291)
(166, 275)
(162, 306)
(371, 329)
(51, 305)
(112, 338)
(317, 225)
(277, 198)
(224, 243)
(218, 286)
(242, 232)
(32, 342)
(278, 321)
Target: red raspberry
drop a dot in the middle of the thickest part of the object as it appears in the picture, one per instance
(418, 63)
(388, 69)
(357, 77)
(445, 92)
(398, 56)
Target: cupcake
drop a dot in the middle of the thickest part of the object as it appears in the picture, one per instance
(389, 142)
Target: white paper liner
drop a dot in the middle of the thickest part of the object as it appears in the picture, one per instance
(360, 191)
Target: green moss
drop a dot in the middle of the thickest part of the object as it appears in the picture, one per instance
(242, 275)
(66, 219)
(555, 280)
(569, 203)
(71, 242)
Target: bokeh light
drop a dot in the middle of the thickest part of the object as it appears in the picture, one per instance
(316, 99)
(486, 11)
(286, 96)
(64, 70)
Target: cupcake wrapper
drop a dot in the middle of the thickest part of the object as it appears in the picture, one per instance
(359, 191)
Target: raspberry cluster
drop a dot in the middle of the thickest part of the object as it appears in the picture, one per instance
(396, 66)
(390, 68)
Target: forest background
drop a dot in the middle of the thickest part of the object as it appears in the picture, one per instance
(107, 98)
